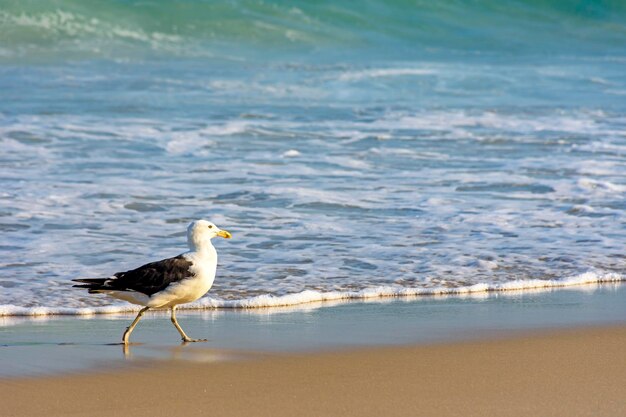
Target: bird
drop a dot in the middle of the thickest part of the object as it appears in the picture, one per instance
(166, 283)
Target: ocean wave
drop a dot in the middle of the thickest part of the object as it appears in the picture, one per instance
(113, 29)
(266, 301)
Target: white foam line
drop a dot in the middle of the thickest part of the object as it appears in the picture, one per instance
(310, 296)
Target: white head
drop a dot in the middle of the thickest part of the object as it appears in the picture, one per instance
(200, 233)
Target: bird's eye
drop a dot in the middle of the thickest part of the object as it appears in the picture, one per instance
(210, 227)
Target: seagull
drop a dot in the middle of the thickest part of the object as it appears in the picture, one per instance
(166, 283)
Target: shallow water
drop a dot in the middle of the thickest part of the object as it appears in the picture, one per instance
(343, 157)
(45, 345)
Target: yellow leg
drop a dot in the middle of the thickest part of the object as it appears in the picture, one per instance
(130, 328)
(181, 331)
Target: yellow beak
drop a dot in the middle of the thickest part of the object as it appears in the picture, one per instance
(224, 234)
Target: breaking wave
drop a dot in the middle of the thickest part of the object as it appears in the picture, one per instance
(92, 28)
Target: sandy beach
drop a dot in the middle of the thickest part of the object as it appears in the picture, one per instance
(559, 373)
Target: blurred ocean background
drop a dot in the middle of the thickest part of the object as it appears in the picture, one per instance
(352, 148)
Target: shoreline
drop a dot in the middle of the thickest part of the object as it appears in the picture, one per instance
(550, 373)
(583, 282)
(52, 345)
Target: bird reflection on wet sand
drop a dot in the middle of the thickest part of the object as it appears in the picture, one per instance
(182, 352)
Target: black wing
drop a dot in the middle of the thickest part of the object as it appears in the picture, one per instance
(148, 279)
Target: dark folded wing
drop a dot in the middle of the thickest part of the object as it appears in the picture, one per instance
(148, 279)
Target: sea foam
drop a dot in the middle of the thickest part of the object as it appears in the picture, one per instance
(311, 296)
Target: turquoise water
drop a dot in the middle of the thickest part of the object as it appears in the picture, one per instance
(365, 148)
(271, 30)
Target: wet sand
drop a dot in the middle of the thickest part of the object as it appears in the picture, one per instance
(52, 345)
(577, 372)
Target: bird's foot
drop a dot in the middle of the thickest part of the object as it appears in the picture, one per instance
(189, 340)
